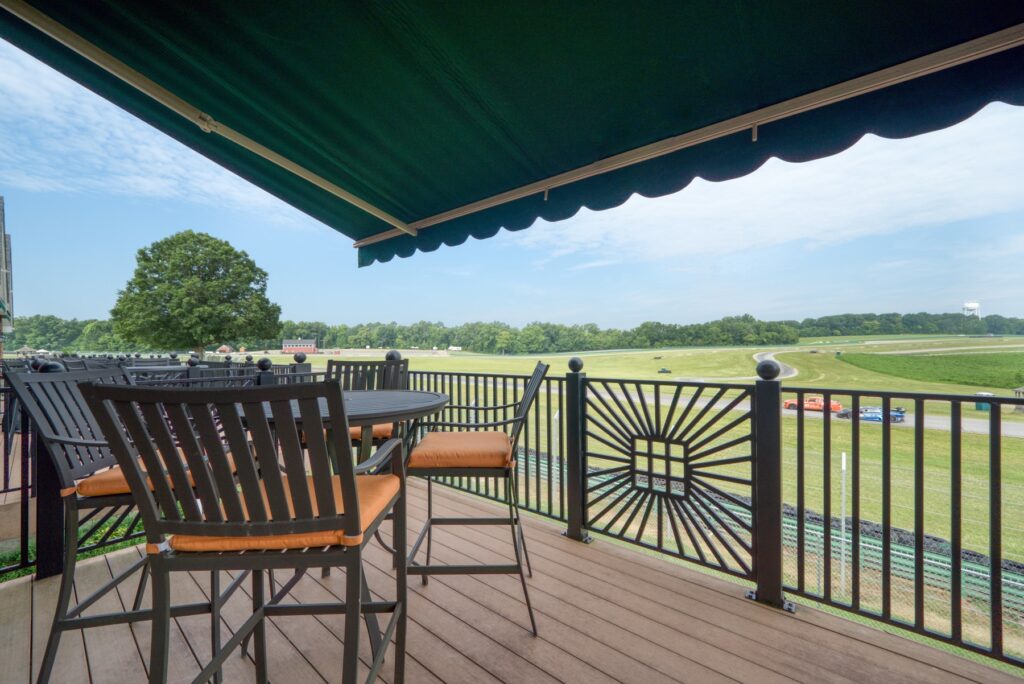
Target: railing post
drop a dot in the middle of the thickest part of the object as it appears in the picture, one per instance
(264, 374)
(300, 365)
(192, 369)
(50, 532)
(574, 432)
(767, 407)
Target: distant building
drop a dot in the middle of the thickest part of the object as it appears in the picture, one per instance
(292, 346)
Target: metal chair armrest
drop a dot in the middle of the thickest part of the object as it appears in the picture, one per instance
(486, 424)
(482, 408)
(384, 456)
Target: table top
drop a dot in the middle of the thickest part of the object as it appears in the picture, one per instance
(371, 407)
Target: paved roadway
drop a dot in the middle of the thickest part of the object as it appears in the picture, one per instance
(786, 371)
(972, 425)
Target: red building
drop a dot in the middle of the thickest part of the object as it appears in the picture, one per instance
(292, 346)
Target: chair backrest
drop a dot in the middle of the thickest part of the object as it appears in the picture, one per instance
(171, 437)
(370, 375)
(15, 365)
(529, 396)
(61, 417)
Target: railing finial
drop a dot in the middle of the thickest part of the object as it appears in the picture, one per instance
(768, 369)
(575, 364)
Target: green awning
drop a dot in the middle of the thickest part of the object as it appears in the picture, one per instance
(373, 115)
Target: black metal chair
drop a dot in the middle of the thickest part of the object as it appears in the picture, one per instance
(389, 374)
(93, 491)
(480, 449)
(199, 516)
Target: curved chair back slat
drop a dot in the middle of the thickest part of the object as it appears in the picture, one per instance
(177, 447)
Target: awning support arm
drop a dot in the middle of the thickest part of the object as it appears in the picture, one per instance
(207, 123)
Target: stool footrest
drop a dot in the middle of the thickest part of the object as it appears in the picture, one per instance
(464, 569)
(471, 521)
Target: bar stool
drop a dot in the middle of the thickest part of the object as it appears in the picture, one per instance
(480, 449)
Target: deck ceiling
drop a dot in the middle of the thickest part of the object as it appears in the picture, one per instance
(407, 125)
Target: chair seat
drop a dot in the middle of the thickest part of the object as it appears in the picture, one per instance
(381, 431)
(112, 482)
(376, 492)
(462, 450)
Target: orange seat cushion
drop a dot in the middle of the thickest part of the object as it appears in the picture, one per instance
(376, 492)
(111, 482)
(462, 450)
(382, 431)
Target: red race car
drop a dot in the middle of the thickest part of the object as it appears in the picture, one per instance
(813, 404)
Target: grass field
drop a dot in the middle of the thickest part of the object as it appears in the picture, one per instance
(814, 359)
(989, 368)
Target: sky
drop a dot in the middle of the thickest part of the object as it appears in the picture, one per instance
(922, 224)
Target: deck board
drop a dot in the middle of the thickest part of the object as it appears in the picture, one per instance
(70, 664)
(605, 612)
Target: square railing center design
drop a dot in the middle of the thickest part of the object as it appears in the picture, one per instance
(659, 465)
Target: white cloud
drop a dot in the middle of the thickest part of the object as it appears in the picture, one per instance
(878, 186)
(597, 263)
(55, 135)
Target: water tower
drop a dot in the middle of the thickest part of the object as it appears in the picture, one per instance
(972, 309)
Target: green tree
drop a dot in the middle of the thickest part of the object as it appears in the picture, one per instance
(191, 291)
(99, 336)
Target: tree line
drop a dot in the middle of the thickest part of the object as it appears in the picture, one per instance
(91, 335)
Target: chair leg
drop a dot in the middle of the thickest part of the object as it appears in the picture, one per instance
(141, 590)
(372, 624)
(399, 527)
(519, 523)
(218, 676)
(353, 616)
(260, 631)
(67, 583)
(519, 558)
(160, 637)
(430, 527)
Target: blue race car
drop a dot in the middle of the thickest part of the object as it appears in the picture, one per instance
(873, 414)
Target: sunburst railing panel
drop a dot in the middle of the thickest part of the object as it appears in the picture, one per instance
(669, 466)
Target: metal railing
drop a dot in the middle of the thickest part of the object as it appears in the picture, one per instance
(541, 459)
(905, 508)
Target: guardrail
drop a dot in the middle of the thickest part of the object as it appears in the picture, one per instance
(905, 508)
(541, 458)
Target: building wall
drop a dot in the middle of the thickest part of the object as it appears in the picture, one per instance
(6, 278)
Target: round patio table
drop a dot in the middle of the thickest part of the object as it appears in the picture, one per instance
(366, 408)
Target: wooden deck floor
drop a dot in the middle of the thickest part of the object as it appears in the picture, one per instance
(605, 614)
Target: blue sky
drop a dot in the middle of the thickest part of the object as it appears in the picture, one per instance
(909, 225)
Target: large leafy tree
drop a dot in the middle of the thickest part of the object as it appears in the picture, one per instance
(190, 291)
